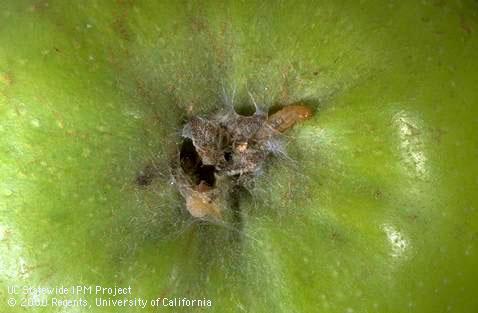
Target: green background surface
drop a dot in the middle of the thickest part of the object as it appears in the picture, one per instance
(375, 211)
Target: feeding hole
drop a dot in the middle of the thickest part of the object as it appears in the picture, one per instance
(193, 167)
(228, 156)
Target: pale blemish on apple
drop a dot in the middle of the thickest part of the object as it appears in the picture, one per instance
(86, 153)
(6, 79)
(7, 192)
(23, 268)
(60, 124)
(3, 232)
(13, 261)
(20, 109)
(35, 123)
(397, 240)
(411, 142)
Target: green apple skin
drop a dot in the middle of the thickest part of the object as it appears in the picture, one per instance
(374, 211)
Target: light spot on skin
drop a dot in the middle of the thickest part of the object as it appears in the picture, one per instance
(397, 240)
(13, 262)
(135, 114)
(468, 250)
(35, 123)
(22, 264)
(335, 273)
(6, 79)
(86, 153)
(101, 128)
(3, 232)
(411, 143)
(7, 192)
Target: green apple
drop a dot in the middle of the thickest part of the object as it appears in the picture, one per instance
(374, 210)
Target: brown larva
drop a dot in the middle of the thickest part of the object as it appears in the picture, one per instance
(200, 203)
(287, 117)
(283, 120)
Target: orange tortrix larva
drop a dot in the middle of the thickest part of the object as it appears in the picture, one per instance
(200, 205)
(200, 202)
(285, 118)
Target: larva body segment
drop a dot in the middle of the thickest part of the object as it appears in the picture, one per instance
(199, 204)
(287, 117)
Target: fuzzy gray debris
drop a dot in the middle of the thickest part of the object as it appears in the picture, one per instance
(232, 143)
(229, 148)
